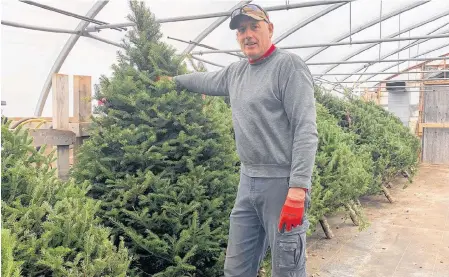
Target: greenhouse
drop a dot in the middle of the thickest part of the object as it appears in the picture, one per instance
(225, 138)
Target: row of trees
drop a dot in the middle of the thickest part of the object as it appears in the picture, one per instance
(154, 184)
(362, 147)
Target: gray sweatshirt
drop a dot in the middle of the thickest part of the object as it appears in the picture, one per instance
(273, 113)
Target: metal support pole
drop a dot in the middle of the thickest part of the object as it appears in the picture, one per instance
(380, 27)
(383, 81)
(417, 89)
(414, 87)
(85, 18)
(334, 43)
(63, 55)
(204, 61)
(55, 30)
(219, 14)
(97, 28)
(350, 21)
(103, 40)
(381, 61)
(380, 73)
(36, 28)
(369, 24)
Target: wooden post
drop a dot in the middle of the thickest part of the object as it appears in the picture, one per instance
(82, 107)
(82, 95)
(60, 91)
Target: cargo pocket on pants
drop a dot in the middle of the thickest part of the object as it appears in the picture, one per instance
(291, 250)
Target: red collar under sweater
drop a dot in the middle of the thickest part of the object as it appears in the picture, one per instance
(267, 54)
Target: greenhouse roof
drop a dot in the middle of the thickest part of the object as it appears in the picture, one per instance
(345, 43)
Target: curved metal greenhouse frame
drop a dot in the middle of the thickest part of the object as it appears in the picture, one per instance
(439, 53)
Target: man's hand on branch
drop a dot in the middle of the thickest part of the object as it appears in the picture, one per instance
(293, 210)
(158, 78)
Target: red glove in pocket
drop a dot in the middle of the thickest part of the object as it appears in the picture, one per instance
(291, 214)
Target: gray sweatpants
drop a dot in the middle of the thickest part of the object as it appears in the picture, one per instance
(254, 227)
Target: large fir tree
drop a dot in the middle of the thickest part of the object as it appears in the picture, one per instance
(162, 161)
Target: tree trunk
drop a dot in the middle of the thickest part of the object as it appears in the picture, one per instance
(326, 228)
(387, 193)
(353, 215)
(262, 272)
(357, 206)
(405, 174)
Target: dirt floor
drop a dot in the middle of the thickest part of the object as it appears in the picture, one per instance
(408, 238)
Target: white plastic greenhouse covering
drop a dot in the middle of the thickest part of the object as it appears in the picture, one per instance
(28, 56)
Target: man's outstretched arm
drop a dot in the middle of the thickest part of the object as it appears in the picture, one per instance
(209, 83)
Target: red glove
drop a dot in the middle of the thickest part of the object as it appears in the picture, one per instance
(291, 214)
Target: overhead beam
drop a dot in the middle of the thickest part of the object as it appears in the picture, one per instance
(385, 81)
(219, 14)
(367, 25)
(348, 62)
(203, 45)
(306, 22)
(211, 27)
(309, 20)
(409, 86)
(53, 9)
(96, 8)
(411, 44)
(417, 25)
(420, 66)
(334, 43)
(415, 89)
(427, 52)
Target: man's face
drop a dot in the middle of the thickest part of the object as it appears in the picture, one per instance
(254, 37)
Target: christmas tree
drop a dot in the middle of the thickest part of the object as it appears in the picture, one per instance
(391, 145)
(341, 174)
(50, 227)
(161, 160)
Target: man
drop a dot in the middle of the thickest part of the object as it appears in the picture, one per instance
(273, 110)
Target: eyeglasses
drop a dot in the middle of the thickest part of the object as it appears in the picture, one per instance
(252, 8)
